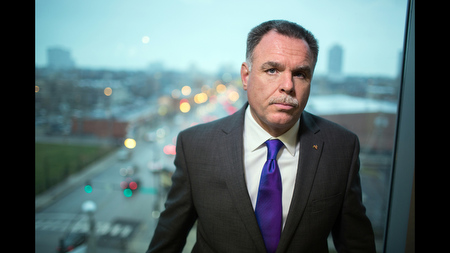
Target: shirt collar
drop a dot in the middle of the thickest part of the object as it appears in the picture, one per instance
(256, 136)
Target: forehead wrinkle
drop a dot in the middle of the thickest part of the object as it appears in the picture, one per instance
(271, 49)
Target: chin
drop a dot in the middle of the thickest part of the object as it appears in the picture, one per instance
(281, 119)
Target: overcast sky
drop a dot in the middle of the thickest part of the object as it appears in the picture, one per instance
(119, 34)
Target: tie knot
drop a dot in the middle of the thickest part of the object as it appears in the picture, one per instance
(273, 146)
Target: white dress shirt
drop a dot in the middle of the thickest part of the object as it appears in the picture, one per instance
(255, 155)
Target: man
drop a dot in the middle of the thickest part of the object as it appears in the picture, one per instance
(271, 177)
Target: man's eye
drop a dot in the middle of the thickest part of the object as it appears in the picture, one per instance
(300, 75)
(271, 71)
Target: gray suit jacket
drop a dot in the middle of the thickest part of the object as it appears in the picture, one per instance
(209, 186)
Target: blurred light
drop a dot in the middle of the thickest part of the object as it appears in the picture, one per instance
(162, 110)
(123, 184)
(123, 171)
(130, 143)
(200, 98)
(164, 100)
(185, 107)
(186, 90)
(184, 100)
(88, 188)
(233, 96)
(160, 133)
(107, 91)
(145, 39)
(170, 149)
(127, 192)
(213, 99)
(176, 93)
(133, 185)
(36, 88)
(221, 88)
(231, 109)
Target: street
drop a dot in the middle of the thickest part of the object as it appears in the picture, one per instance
(118, 218)
(122, 224)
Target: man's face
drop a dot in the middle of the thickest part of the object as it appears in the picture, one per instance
(278, 83)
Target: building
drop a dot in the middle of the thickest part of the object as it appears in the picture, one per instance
(335, 58)
(117, 122)
(59, 58)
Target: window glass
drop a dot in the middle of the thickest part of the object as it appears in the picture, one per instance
(115, 82)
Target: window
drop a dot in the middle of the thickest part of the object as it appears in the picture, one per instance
(115, 82)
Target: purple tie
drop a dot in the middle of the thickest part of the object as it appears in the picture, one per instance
(268, 209)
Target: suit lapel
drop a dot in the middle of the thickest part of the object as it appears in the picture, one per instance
(232, 139)
(310, 151)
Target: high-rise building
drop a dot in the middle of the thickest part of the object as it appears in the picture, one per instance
(335, 61)
(59, 58)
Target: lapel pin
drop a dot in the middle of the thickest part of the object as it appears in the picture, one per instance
(315, 146)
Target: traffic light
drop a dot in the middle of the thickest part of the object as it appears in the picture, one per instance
(127, 192)
(129, 186)
(88, 187)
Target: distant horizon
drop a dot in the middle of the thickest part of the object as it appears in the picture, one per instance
(211, 35)
(237, 72)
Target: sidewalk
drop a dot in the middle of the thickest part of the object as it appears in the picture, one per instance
(46, 198)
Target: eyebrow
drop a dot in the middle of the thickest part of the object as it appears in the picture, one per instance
(272, 64)
(299, 69)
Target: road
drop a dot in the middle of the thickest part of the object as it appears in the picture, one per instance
(119, 219)
(122, 224)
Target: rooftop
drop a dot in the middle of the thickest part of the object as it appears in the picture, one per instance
(345, 104)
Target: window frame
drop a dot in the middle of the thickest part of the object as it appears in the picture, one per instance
(402, 179)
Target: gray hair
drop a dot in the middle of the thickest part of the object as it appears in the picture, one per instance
(283, 27)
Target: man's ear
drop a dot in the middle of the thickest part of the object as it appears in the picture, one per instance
(245, 72)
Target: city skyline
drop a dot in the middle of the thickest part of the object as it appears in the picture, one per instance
(211, 35)
(61, 58)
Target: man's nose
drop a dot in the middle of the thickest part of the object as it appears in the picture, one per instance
(287, 83)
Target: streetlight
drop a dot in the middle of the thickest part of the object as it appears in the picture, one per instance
(130, 143)
(89, 207)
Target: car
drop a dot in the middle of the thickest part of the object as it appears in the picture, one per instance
(71, 241)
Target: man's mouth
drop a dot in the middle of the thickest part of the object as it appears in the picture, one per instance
(284, 106)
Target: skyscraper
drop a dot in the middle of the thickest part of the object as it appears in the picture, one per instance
(59, 58)
(335, 61)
